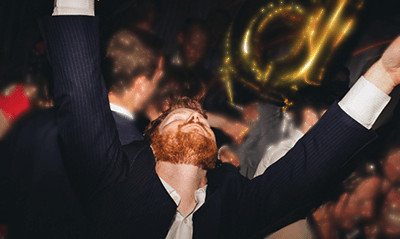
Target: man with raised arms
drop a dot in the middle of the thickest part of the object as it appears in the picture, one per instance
(180, 191)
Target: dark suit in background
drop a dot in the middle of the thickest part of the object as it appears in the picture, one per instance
(122, 194)
(127, 130)
(37, 200)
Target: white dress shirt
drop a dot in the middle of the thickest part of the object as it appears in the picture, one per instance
(123, 112)
(364, 102)
(277, 151)
(182, 226)
(73, 7)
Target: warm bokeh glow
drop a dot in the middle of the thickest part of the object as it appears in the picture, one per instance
(310, 38)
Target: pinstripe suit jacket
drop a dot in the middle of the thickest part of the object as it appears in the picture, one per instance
(120, 189)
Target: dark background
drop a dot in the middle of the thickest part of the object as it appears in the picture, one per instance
(19, 32)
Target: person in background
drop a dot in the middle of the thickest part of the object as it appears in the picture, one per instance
(218, 21)
(390, 212)
(309, 104)
(129, 67)
(37, 199)
(27, 89)
(193, 40)
(192, 55)
(15, 101)
(265, 124)
(356, 207)
(367, 206)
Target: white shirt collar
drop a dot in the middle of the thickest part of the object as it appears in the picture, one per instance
(122, 111)
(182, 226)
(200, 194)
(296, 135)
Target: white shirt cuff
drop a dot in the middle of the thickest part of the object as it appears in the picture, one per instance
(73, 7)
(364, 102)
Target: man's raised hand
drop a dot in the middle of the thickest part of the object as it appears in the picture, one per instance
(391, 61)
(385, 73)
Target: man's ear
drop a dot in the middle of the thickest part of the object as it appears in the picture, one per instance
(159, 71)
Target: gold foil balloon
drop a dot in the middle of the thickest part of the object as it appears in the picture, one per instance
(286, 45)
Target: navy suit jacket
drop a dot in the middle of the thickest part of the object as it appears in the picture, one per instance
(123, 195)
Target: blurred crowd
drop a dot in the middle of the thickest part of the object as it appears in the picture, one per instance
(251, 135)
(368, 203)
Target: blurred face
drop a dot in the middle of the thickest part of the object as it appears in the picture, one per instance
(359, 205)
(372, 230)
(149, 86)
(391, 213)
(326, 228)
(195, 46)
(391, 166)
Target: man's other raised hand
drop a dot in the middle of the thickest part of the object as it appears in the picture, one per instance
(385, 73)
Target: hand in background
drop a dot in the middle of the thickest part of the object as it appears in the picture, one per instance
(4, 124)
(250, 112)
(233, 128)
(228, 156)
(236, 130)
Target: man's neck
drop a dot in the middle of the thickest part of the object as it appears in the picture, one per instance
(122, 101)
(305, 127)
(185, 179)
(152, 112)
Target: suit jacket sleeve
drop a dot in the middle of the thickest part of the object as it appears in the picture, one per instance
(87, 131)
(296, 183)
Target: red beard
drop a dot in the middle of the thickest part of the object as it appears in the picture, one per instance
(185, 148)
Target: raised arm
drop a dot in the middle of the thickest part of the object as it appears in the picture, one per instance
(87, 131)
(296, 183)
